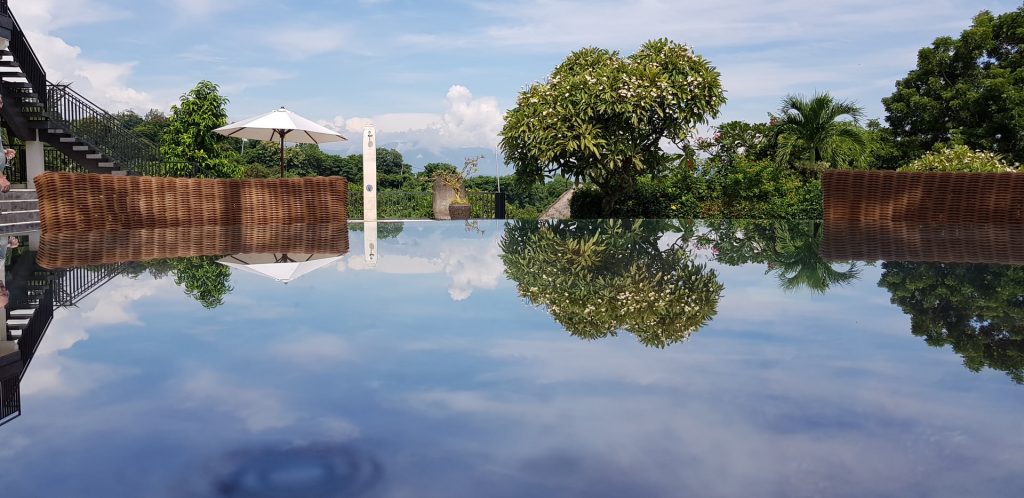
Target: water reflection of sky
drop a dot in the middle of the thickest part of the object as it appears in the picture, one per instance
(432, 371)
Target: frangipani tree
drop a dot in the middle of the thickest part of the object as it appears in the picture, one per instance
(603, 118)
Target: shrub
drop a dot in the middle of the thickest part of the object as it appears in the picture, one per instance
(962, 159)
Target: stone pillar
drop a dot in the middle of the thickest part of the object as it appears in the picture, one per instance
(34, 161)
(33, 241)
(369, 174)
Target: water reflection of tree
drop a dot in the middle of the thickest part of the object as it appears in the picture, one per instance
(977, 309)
(599, 278)
(791, 250)
(202, 278)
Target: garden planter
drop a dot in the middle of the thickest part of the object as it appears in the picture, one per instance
(459, 211)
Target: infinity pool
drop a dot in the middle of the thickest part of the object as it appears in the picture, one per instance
(654, 359)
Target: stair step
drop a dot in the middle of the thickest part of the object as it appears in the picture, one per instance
(14, 335)
(17, 324)
(106, 164)
(68, 140)
(56, 131)
(20, 194)
(81, 148)
(94, 156)
(19, 217)
(17, 205)
(19, 228)
(22, 314)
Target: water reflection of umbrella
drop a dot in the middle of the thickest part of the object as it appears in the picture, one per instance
(282, 125)
(281, 267)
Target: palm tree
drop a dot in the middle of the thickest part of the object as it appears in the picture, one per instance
(813, 131)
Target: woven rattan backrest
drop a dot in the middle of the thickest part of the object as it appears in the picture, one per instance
(886, 196)
(73, 202)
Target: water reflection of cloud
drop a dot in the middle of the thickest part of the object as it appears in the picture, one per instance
(470, 264)
(52, 371)
(258, 409)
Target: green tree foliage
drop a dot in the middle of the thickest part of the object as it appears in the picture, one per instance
(599, 278)
(791, 250)
(976, 309)
(602, 118)
(189, 140)
(966, 91)
(812, 131)
(960, 158)
(202, 278)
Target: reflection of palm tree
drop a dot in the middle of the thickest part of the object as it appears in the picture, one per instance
(797, 262)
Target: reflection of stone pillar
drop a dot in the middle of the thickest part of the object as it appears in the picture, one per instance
(34, 161)
(369, 174)
(370, 243)
(33, 241)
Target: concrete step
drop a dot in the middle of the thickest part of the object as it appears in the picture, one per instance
(14, 217)
(17, 324)
(19, 194)
(14, 205)
(106, 164)
(22, 314)
(19, 228)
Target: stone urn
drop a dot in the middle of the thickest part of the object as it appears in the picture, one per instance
(459, 211)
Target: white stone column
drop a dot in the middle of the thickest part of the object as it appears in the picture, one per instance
(369, 174)
(34, 161)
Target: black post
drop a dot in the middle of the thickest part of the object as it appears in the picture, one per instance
(499, 205)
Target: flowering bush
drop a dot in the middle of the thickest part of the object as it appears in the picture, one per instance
(960, 158)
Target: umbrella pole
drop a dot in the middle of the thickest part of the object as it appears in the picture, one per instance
(282, 152)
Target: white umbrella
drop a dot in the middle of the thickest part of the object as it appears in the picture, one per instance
(282, 125)
(281, 267)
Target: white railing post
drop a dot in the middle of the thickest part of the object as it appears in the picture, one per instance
(370, 174)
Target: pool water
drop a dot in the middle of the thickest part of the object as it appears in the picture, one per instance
(490, 359)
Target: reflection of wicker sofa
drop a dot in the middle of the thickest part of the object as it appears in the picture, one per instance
(102, 247)
(71, 202)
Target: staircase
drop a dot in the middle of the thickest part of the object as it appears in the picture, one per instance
(19, 212)
(54, 113)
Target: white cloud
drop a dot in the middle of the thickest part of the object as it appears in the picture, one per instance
(105, 83)
(472, 268)
(467, 122)
(300, 42)
(192, 9)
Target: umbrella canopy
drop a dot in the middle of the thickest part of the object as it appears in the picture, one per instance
(281, 125)
(281, 267)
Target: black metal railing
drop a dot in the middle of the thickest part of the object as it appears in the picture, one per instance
(74, 285)
(25, 56)
(106, 133)
(33, 333)
(10, 398)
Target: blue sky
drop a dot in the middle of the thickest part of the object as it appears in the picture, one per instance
(436, 77)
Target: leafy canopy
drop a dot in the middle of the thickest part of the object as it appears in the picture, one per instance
(812, 131)
(188, 138)
(966, 91)
(602, 118)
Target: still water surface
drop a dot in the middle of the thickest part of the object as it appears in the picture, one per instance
(593, 359)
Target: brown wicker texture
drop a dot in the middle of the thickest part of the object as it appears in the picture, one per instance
(1001, 243)
(869, 196)
(73, 202)
(75, 250)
